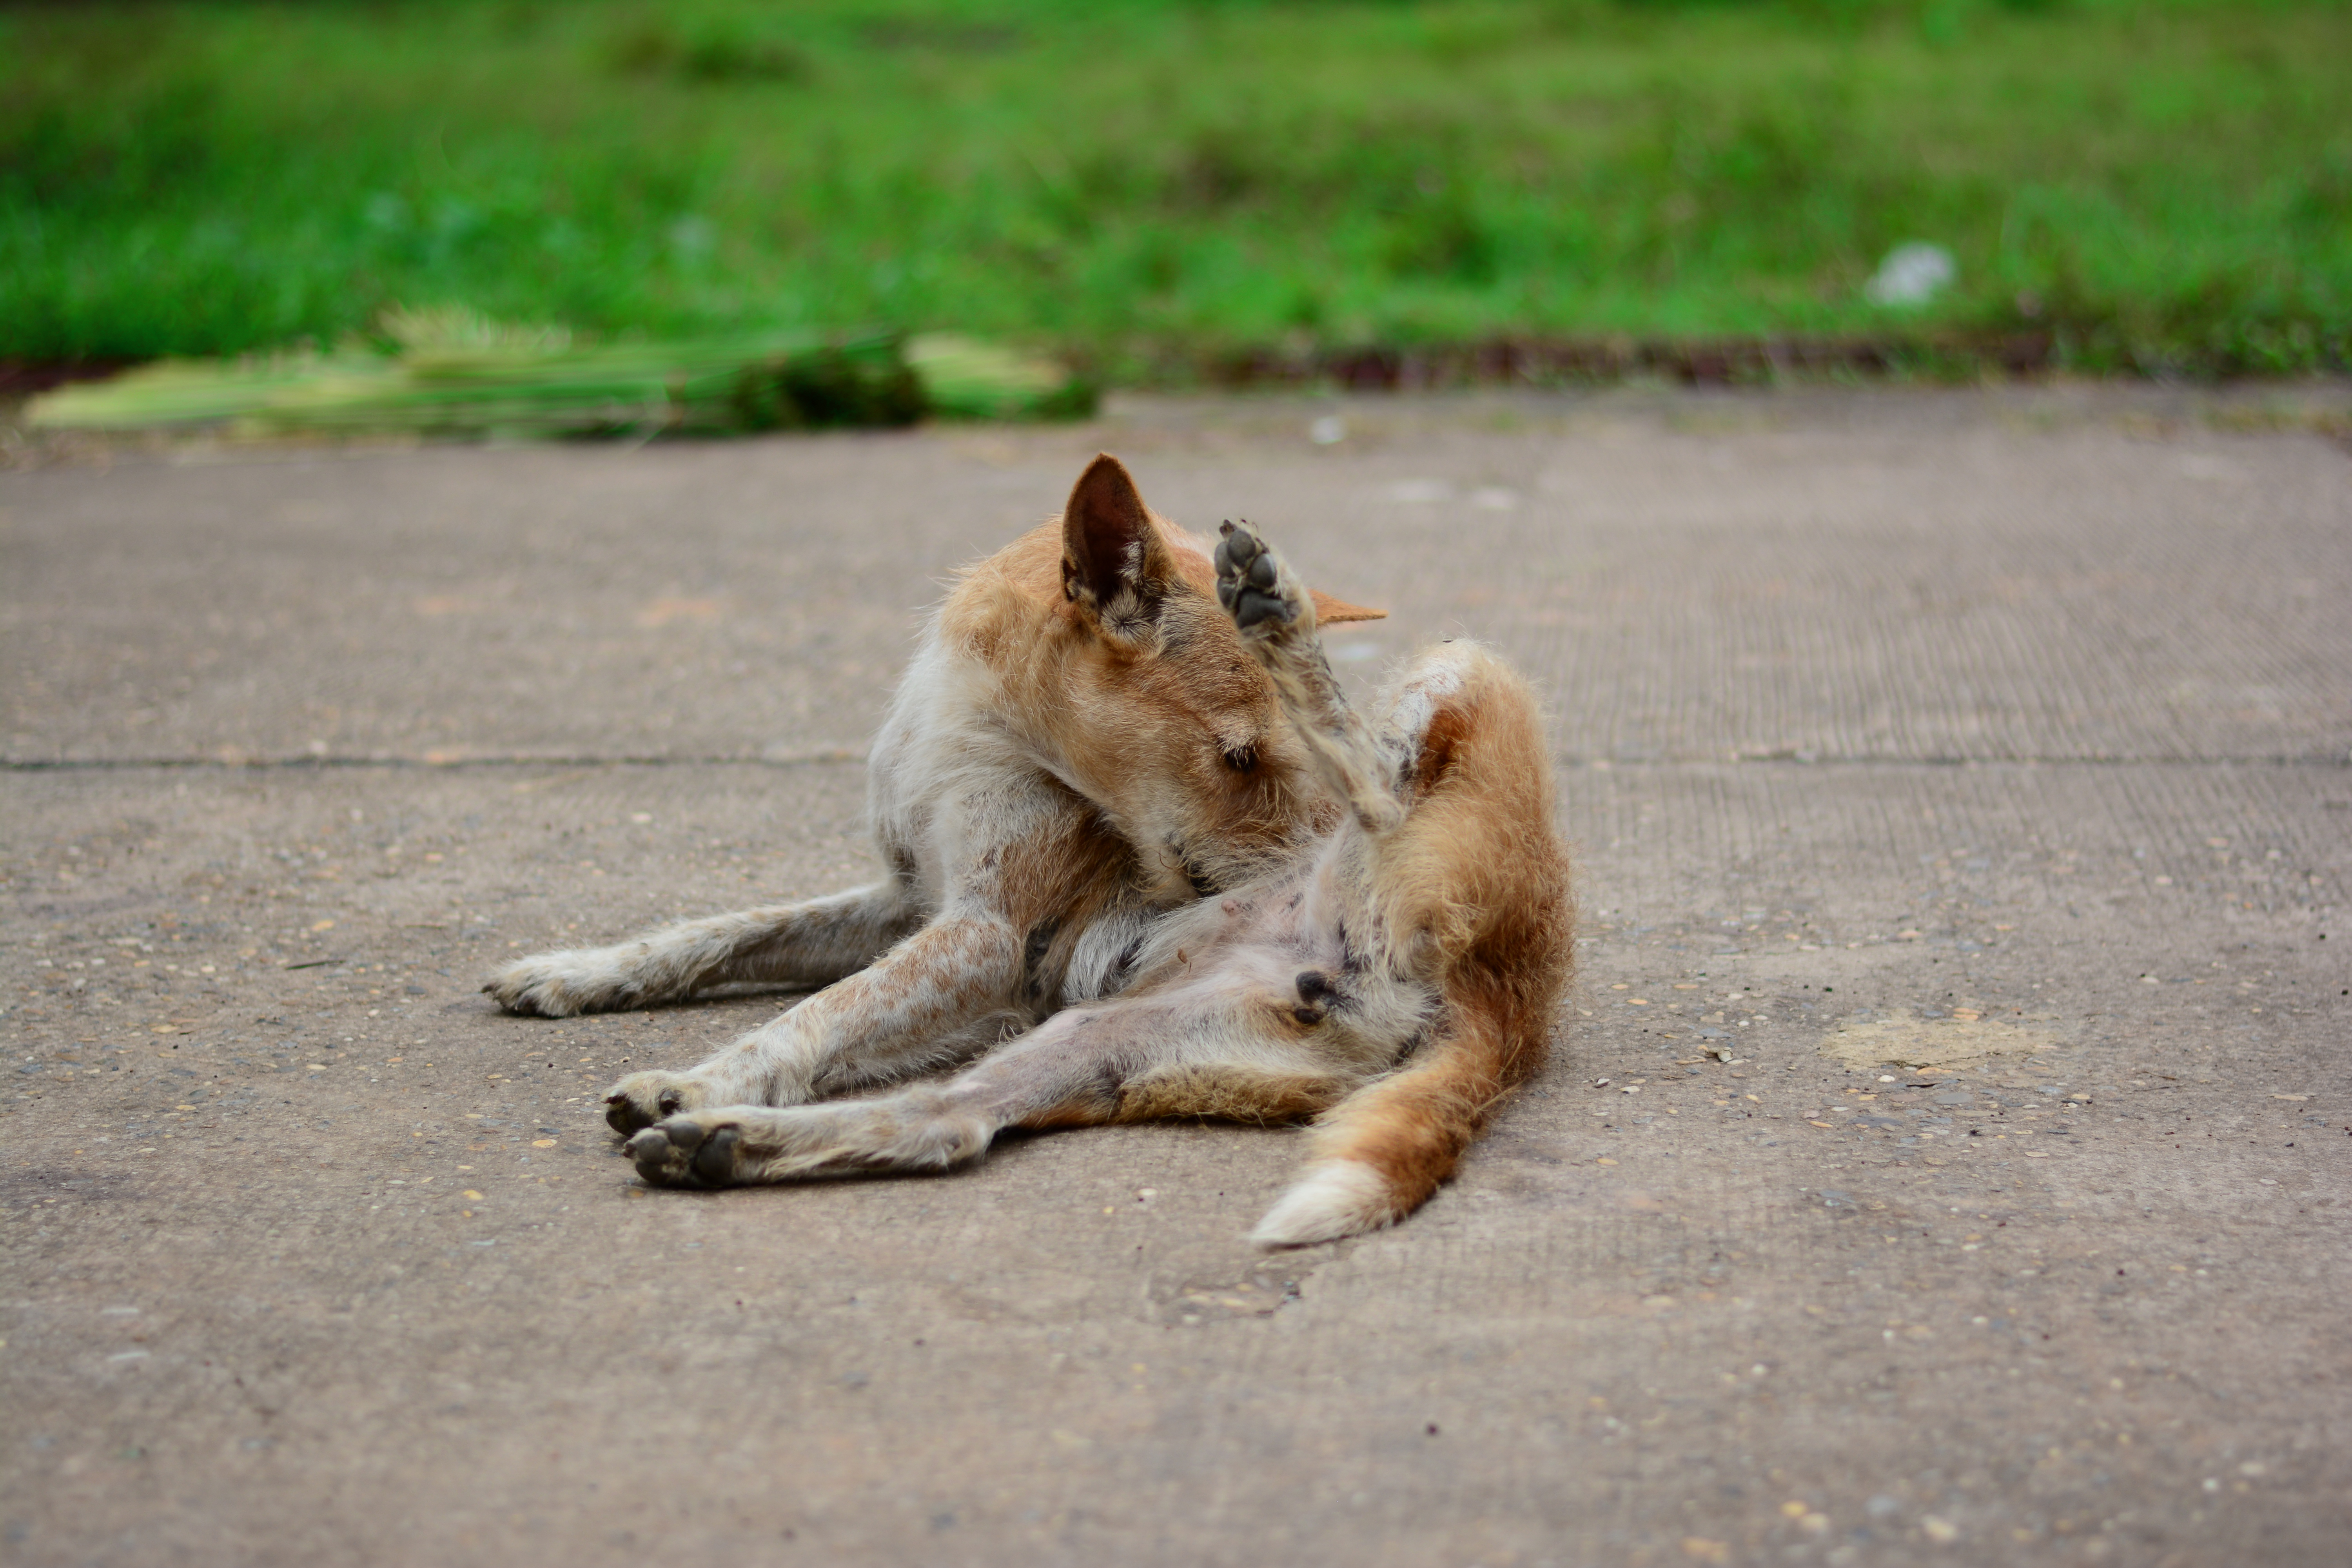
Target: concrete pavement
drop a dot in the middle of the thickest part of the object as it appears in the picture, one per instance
(1970, 767)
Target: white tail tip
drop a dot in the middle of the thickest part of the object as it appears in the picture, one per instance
(1337, 1198)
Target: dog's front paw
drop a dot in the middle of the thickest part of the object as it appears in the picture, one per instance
(641, 1098)
(560, 984)
(686, 1151)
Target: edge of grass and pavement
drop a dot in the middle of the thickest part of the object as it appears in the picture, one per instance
(1168, 194)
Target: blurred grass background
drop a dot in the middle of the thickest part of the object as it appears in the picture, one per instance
(1147, 184)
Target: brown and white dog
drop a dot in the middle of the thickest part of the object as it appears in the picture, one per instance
(1143, 862)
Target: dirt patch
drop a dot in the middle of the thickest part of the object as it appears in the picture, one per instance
(1946, 1045)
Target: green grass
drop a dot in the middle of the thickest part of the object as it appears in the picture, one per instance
(1148, 184)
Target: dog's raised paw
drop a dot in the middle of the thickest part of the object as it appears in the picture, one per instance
(1251, 583)
(680, 1151)
(1241, 563)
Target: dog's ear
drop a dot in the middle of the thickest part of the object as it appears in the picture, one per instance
(1331, 612)
(1113, 559)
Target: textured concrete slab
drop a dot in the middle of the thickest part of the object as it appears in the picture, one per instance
(2012, 1229)
(1952, 576)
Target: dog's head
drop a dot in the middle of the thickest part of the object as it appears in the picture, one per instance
(1164, 718)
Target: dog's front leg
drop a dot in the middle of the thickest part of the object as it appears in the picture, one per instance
(813, 942)
(923, 1004)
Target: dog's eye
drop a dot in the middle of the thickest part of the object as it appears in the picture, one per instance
(1240, 759)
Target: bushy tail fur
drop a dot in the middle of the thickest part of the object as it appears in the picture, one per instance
(1468, 884)
(1476, 873)
(1381, 1151)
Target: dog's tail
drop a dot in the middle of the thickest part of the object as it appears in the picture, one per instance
(1473, 887)
(1381, 1151)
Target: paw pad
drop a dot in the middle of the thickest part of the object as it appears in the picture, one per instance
(714, 1161)
(681, 1153)
(1249, 578)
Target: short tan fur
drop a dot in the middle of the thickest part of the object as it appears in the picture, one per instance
(1144, 862)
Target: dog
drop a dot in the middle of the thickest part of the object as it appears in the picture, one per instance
(1144, 861)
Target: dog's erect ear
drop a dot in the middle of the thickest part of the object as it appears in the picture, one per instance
(1113, 562)
(1331, 612)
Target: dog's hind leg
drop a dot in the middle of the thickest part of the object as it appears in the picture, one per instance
(1275, 615)
(1064, 1075)
(912, 1010)
(813, 942)
(1031, 871)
